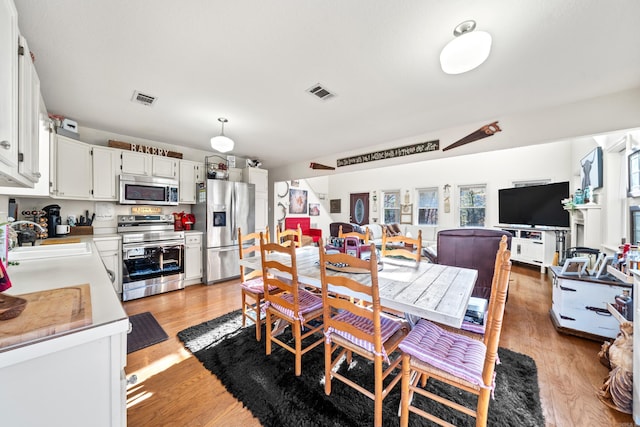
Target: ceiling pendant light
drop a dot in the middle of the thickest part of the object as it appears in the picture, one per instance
(467, 51)
(222, 143)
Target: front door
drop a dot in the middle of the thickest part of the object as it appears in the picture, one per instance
(359, 208)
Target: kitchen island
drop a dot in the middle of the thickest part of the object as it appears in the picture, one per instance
(71, 377)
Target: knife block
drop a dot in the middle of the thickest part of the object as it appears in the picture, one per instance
(80, 230)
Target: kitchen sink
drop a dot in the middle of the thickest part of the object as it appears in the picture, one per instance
(23, 253)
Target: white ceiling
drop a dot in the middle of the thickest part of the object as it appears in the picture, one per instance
(252, 62)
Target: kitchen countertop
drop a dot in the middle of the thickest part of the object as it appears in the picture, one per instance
(108, 315)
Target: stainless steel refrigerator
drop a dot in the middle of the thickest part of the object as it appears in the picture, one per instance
(222, 207)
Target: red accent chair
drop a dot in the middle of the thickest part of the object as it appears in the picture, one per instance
(315, 234)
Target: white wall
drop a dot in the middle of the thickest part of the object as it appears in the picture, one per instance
(497, 169)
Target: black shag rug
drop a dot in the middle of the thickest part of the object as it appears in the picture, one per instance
(145, 331)
(267, 386)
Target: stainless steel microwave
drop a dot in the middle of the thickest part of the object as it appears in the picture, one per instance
(148, 190)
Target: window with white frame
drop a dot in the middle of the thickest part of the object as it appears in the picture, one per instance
(473, 203)
(391, 207)
(428, 206)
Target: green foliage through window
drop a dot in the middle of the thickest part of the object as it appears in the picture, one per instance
(473, 203)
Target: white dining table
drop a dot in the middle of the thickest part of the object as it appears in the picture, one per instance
(431, 291)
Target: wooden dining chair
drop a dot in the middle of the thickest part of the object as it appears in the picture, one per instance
(291, 305)
(364, 237)
(430, 351)
(289, 237)
(251, 281)
(352, 328)
(402, 246)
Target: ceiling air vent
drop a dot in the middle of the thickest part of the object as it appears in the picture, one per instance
(320, 91)
(143, 99)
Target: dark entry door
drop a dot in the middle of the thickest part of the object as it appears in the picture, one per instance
(359, 208)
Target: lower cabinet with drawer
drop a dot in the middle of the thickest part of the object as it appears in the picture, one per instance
(192, 258)
(110, 253)
(579, 305)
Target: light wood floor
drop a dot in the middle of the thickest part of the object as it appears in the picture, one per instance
(174, 389)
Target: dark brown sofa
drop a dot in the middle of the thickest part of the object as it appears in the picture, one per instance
(472, 248)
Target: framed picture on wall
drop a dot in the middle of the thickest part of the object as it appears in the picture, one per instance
(297, 201)
(334, 205)
(314, 209)
(591, 169)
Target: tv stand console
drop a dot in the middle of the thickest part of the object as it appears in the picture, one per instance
(530, 245)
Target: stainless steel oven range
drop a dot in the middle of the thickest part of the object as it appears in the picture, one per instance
(152, 255)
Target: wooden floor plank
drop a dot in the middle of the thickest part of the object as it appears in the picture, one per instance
(174, 389)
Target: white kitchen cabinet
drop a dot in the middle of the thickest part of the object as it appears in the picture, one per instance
(28, 117)
(579, 305)
(135, 163)
(74, 170)
(257, 176)
(260, 178)
(190, 174)
(111, 255)
(165, 167)
(235, 174)
(106, 167)
(193, 257)
(73, 378)
(10, 175)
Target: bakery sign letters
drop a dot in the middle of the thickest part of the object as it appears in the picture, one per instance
(407, 150)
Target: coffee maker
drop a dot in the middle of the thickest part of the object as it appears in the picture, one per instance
(53, 219)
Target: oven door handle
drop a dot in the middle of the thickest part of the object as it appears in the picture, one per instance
(159, 244)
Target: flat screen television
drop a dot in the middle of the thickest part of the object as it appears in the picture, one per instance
(534, 205)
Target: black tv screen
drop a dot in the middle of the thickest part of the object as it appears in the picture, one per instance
(534, 205)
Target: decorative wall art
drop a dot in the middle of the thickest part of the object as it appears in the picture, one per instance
(334, 205)
(407, 150)
(314, 209)
(406, 214)
(591, 169)
(282, 189)
(483, 132)
(297, 201)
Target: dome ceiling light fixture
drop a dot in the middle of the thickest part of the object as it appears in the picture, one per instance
(467, 51)
(221, 142)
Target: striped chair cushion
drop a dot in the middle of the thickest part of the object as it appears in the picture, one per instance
(308, 302)
(472, 327)
(388, 327)
(456, 354)
(256, 286)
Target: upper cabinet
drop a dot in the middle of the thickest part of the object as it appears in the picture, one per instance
(28, 115)
(134, 163)
(74, 169)
(191, 173)
(83, 171)
(9, 99)
(165, 167)
(19, 105)
(106, 168)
